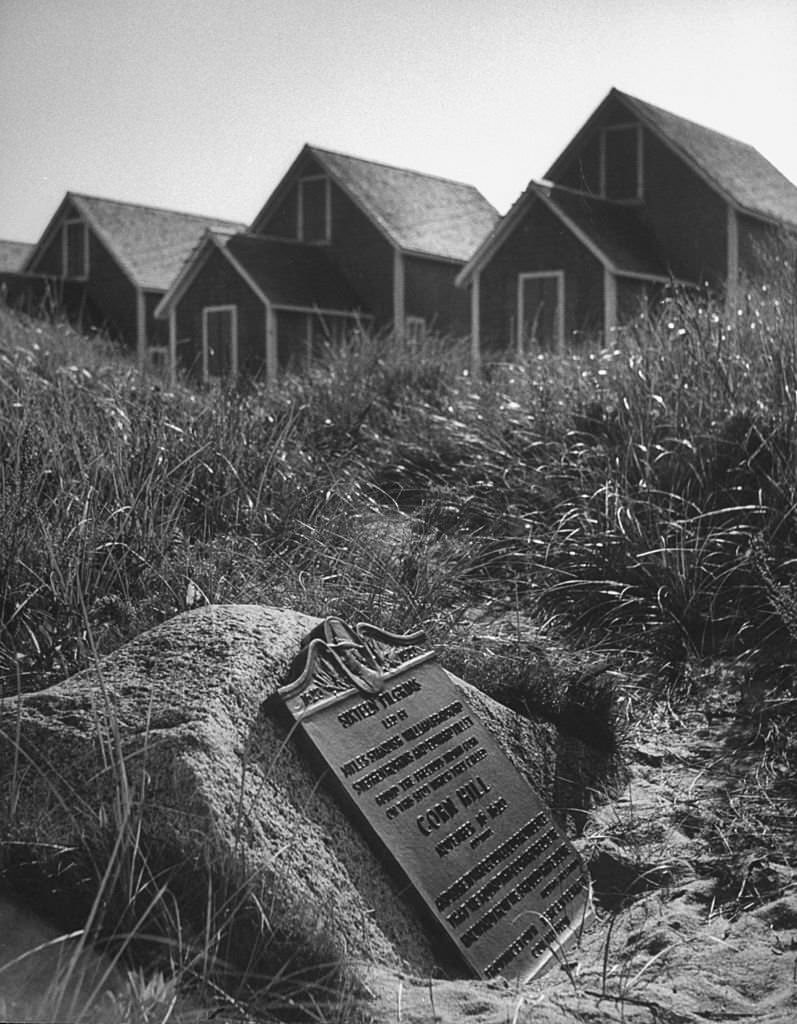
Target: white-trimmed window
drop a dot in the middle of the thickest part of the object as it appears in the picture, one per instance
(415, 329)
(75, 254)
(621, 161)
(541, 311)
(219, 342)
(314, 209)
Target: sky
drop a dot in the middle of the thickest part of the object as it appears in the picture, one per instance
(202, 105)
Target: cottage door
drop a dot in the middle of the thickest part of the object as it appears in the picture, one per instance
(219, 341)
(540, 311)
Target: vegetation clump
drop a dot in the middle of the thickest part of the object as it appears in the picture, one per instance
(636, 500)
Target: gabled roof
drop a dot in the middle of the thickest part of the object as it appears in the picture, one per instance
(293, 274)
(149, 244)
(617, 231)
(613, 232)
(418, 213)
(733, 168)
(13, 255)
(284, 273)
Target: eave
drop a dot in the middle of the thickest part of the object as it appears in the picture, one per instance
(537, 192)
(638, 111)
(495, 239)
(55, 223)
(210, 243)
(288, 179)
(188, 273)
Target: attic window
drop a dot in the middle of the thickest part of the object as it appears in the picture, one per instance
(621, 161)
(314, 209)
(75, 249)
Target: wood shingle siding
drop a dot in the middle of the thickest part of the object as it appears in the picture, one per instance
(218, 284)
(430, 285)
(582, 173)
(383, 225)
(639, 198)
(363, 255)
(292, 274)
(341, 243)
(635, 297)
(292, 344)
(282, 221)
(107, 288)
(124, 255)
(289, 298)
(416, 212)
(758, 247)
(541, 244)
(50, 260)
(690, 218)
(113, 292)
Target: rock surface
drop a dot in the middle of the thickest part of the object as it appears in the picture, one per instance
(696, 921)
(169, 739)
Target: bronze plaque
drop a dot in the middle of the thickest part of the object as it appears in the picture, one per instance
(428, 779)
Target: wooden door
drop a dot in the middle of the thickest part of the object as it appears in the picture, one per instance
(219, 342)
(541, 312)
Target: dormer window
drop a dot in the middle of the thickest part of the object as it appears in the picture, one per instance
(621, 161)
(75, 249)
(314, 213)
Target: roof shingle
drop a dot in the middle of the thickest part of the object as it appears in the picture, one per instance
(617, 231)
(737, 170)
(13, 255)
(293, 274)
(150, 243)
(747, 177)
(419, 212)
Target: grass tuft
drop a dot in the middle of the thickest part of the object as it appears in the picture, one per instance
(637, 499)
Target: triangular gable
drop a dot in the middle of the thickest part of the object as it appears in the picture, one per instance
(733, 169)
(67, 205)
(615, 232)
(192, 265)
(496, 238)
(294, 275)
(278, 196)
(612, 232)
(416, 213)
(282, 273)
(149, 244)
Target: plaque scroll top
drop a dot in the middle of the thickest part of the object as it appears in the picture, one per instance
(437, 797)
(336, 660)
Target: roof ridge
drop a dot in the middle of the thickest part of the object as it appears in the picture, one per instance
(395, 167)
(153, 209)
(686, 120)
